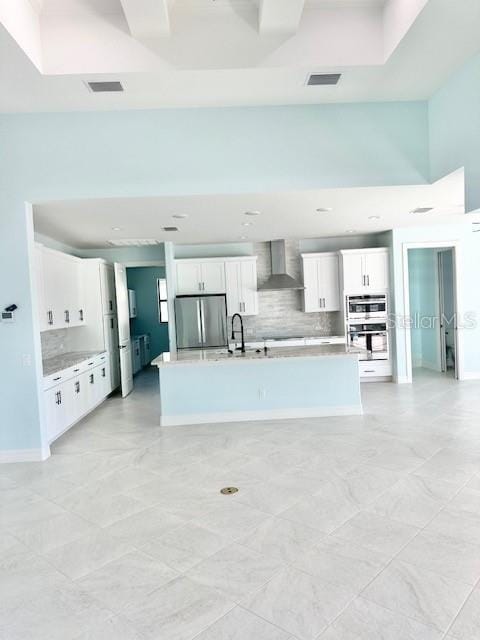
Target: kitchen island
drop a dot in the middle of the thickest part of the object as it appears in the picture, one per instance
(200, 386)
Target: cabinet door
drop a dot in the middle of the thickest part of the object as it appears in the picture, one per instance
(54, 289)
(79, 397)
(58, 410)
(213, 277)
(376, 270)
(328, 278)
(105, 379)
(233, 284)
(248, 287)
(353, 274)
(189, 275)
(94, 387)
(311, 292)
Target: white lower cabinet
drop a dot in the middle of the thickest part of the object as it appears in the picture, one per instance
(76, 395)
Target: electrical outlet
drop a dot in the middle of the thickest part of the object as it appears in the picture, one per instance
(262, 393)
(26, 360)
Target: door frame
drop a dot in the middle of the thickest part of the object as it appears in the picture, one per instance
(455, 246)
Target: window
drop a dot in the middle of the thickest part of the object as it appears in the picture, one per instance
(162, 300)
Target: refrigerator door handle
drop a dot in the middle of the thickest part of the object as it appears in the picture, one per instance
(202, 320)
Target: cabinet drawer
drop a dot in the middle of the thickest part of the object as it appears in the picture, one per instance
(375, 368)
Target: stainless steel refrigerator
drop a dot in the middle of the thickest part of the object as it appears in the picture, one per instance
(201, 321)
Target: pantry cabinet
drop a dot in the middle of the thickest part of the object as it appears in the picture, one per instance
(321, 280)
(197, 276)
(241, 286)
(365, 270)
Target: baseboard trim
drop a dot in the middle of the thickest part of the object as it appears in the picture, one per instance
(402, 380)
(269, 414)
(24, 455)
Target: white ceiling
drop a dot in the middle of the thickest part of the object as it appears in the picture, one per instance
(215, 55)
(218, 218)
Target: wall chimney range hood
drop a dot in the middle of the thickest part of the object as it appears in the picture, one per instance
(279, 280)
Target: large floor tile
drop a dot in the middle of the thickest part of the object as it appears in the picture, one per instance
(126, 580)
(232, 519)
(282, 539)
(467, 624)
(54, 532)
(270, 497)
(325, 511)
(450, 557)
(240, 624)
(364, 620)
(179, 610)
(144, 526)
(102, 510)
(419, 594)
(235, 571)
(116, 628)
(463, 525)
(83, 556)
(185, 546)
(300, 604)
(415, 500)
(376, 533)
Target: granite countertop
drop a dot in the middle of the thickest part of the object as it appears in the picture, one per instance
(204, 356)
(66, 360)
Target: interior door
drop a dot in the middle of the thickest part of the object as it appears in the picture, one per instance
(123, 316)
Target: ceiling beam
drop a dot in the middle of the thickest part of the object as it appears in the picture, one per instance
(279, 16)
(147, 18)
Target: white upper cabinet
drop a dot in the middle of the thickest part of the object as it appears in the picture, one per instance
(365, 270)
(241, 283)
(321, 280)
(59, 289)
(195, 276)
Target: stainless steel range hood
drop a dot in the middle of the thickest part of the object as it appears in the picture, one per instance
(279, 279)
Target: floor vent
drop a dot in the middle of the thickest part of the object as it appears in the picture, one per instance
(105, 87)
(318, 79)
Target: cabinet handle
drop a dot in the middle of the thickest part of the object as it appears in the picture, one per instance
(111, 323)
(77, 387)
(59, 378)
(67, 316)
(50, 317)
(368, 281)
(76, 370)
(199, 286)
(103, 372)
(369, 371)
(59, 397)
(90, 363)
(92, 379)
(80, 313)
(110, 304)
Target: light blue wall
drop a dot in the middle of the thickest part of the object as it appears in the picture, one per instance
(287, 383)
(454, 121)
(143, 280)
(126, 254)
(424, 308)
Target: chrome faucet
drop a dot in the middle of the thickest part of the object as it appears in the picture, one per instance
(237, 315)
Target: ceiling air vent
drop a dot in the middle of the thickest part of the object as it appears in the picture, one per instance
(170, 228)
(105, 87)
(422, 210)
(132, 242)
(316, 79)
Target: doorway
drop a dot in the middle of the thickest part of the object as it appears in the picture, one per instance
(431, 306)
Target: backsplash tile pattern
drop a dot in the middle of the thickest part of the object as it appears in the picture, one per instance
(54, 343)
(280, 312)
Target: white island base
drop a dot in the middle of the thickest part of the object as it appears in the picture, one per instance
(203, 386)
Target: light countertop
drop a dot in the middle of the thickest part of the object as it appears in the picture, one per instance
(205, 356)
(66, 360)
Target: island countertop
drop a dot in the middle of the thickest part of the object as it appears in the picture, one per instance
(206, 356)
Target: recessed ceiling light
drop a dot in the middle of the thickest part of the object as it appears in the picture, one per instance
(251, 213)
(421, 210)
(374, 217)
(351, 231)
(247, 224)
(323, 209)
(116, 228)
(180, 216)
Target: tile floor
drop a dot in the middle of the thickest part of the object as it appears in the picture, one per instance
(343, 529)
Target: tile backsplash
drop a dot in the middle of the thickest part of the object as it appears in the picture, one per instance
(54, 343)
(281, 312)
